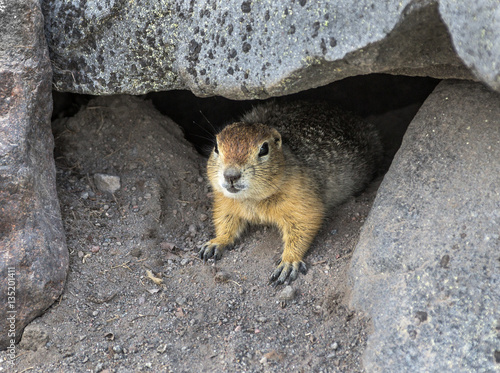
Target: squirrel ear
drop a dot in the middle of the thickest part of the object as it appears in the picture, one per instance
(277, 138)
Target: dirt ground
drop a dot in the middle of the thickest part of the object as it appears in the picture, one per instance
(138, 298)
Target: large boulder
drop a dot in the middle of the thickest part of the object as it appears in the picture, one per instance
(257, 49)
(427, 265)
(33, 254)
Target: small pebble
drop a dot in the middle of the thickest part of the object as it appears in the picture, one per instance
(118, 349)
(136, 252)
(184, 261)
(288, 293)
(167, 246)
(107, 183)
(221, 276)
(161, 349)
(180, 301)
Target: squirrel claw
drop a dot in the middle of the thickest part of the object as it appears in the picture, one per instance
(209, 250)
(286, 272)
(302, 267)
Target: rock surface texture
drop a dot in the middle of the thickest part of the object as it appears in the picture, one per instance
(257, 49)
(427, 266)
(33, 254)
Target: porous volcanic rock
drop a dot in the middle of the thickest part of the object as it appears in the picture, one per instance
(257, 49)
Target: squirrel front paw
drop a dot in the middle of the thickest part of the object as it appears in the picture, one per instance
(287, 272)
(211, 250)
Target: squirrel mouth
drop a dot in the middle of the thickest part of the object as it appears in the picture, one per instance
(232, 189)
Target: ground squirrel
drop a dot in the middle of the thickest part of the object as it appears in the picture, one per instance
(286, 165)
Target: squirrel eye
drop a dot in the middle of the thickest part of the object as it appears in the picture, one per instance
(216, 149)
(264, 149)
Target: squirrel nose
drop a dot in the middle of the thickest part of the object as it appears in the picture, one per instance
(232, 175)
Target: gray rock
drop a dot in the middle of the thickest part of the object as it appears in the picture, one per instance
(474, 27)
(258, 49)
(107, 183)
(33, 253)
(427, 266)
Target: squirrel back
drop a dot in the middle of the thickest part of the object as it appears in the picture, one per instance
(341, 151)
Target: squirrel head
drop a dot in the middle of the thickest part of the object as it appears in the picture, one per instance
(247, 161)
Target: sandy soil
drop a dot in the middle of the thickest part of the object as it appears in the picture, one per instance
(138, 298)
